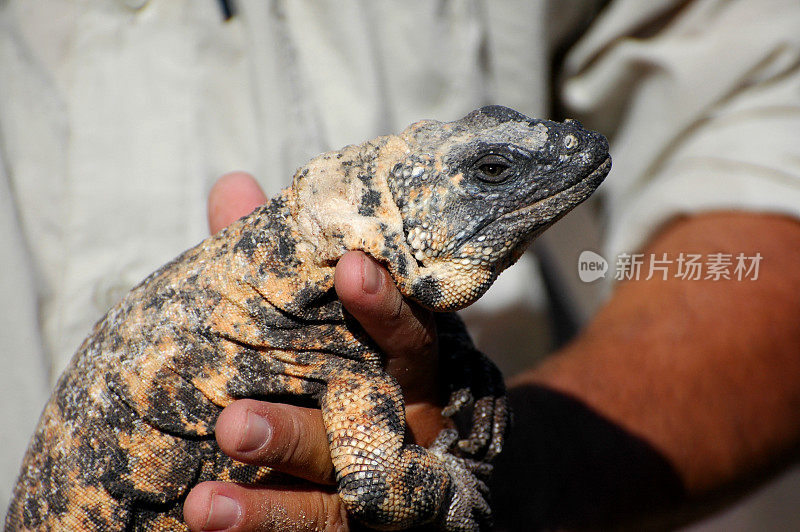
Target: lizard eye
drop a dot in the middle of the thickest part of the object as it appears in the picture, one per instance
(493, 168)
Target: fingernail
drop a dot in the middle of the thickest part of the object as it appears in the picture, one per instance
(257, 432)
(372, 277)
(223, 514)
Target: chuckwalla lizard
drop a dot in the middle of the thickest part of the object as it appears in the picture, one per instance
(251, 312)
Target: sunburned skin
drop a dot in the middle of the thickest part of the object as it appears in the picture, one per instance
(251, 312)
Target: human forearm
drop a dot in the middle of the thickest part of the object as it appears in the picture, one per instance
(707, 372)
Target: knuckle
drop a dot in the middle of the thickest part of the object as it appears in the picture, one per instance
(299, 449)
(293, 449)
(399, 308)
(424, 335)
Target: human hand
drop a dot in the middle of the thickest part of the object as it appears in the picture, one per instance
(292, 439)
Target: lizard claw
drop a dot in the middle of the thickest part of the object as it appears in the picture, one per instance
(468, 509)
(489, 422)
(459, 400)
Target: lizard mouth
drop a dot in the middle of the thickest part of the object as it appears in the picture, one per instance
(553, 207)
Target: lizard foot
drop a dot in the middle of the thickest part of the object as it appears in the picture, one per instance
(474, 381)
(468, 508)
(490, 418)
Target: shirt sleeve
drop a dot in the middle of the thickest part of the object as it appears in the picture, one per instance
(24, 383)
(704, 116)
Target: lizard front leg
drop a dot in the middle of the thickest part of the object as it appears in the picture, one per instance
(384, 481)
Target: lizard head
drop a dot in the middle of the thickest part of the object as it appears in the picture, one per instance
(475, 192)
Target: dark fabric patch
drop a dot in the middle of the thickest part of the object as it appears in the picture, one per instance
(228, 9)
(581, 470)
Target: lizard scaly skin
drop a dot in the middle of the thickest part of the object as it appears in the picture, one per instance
(251, 312)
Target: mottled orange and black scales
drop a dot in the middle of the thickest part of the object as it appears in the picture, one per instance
(251, 312)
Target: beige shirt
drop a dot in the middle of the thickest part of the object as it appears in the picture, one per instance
(117, 116)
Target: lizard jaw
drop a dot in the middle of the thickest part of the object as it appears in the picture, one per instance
(521, 226)
(548, 210)
(453, 281)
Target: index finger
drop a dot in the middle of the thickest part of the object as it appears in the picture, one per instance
(232, 196)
